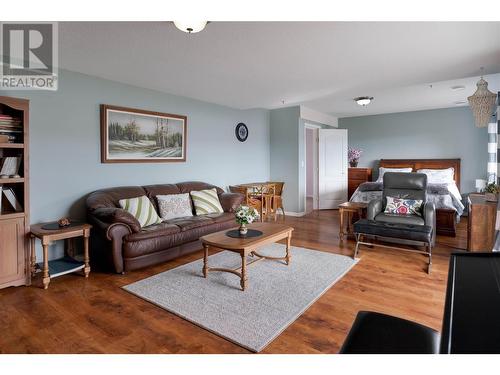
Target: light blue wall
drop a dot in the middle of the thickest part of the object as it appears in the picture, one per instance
(284, 150)
(65, 162)
(439, 133)
(288, 155)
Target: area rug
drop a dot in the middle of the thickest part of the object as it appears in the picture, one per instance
(275, 297)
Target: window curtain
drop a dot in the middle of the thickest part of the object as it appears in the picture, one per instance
(496, 246)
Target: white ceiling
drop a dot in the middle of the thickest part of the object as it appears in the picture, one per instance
(322, 65)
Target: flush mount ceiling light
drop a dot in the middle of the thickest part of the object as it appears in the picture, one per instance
(482, 103)
(363, 100)
(190, 27)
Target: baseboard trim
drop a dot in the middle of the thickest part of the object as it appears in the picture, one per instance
(296, 214)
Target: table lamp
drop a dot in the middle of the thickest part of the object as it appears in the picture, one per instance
(480, 185)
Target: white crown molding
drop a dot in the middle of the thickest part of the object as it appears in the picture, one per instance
(322, 118)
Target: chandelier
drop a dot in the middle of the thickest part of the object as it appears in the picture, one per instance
(482, 103)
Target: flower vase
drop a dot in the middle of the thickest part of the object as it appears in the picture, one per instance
(243, 230)
(354, 163)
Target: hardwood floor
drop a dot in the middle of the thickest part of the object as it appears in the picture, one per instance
(96, 316)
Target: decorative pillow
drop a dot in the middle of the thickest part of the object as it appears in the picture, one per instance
(174, 205)
(439, 176)
(206, 202)
(142, 209)
(382, 170)
(400, 206)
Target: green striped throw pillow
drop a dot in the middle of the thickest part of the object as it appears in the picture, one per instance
(206, 202)
(142, 209)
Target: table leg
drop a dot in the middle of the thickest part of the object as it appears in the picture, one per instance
(33, 256)
(86, 258)
(243, 281)
(46, 277)
(288, 244)
(205, 261)
(341, 226)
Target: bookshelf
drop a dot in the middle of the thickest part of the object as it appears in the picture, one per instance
(14, 223)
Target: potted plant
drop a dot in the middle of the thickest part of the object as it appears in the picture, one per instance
(353, 154)
(491, 192)
(245, 215)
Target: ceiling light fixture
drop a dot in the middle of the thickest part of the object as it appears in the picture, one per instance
(458, 88)
(482, 103)
(363, 100)
(190, 27)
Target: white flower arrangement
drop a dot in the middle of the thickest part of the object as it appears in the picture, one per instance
(246, 215)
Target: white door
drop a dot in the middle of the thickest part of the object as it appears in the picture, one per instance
(332, 164)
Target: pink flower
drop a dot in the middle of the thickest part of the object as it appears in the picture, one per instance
(402, 210)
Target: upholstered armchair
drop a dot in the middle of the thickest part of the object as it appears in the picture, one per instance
(406, 186)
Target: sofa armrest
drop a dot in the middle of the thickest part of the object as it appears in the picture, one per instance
(429, 213)
(374, 208)
(114, 215)
(231, 201)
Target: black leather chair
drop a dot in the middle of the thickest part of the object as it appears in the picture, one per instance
(407, 186)
(376, 333)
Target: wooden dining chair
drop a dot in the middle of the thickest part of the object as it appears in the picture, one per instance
(250, 199)
(277, 202)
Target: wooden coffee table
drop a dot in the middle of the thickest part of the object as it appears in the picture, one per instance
(272, 232)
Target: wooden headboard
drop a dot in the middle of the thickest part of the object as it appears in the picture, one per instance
(424, 164)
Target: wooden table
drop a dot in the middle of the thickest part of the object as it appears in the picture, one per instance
(265, 191)
(66, 264)
(345, 212)
(272, 232)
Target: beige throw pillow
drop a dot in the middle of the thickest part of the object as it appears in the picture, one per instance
(174, 205)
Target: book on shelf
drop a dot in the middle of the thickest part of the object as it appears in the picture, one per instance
(9, 194)
(11, 127)
(10, 166)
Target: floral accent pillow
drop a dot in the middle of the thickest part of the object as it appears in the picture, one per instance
(173, 206)
(400, 206)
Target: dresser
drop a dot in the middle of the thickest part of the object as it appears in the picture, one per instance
(355, 177)
(481, 223)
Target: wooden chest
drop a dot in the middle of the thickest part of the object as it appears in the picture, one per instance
(355, 177)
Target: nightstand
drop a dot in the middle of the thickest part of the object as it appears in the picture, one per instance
(355, 177)
(481, 223)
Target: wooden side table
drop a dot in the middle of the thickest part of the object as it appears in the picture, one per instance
(67, 264)
(346, 210)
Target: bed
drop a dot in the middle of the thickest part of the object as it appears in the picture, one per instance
(447, 199)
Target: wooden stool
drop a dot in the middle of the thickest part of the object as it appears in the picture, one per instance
(346, 210)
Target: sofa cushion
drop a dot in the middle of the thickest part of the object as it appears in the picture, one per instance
(421, 233)
(189, 186)
(400, 219)
(110, 197)
(133, 249)
(142, 209)
(188, 223)
(152, 231)
(206, 202)
(172, 206)
(221, 218)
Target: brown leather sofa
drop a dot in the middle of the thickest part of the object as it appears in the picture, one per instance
(119, 241)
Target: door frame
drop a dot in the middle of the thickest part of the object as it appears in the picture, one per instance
(315, 129)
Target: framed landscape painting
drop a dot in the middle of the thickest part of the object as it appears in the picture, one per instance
(135, 136)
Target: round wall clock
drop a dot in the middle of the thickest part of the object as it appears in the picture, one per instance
(241, 132)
